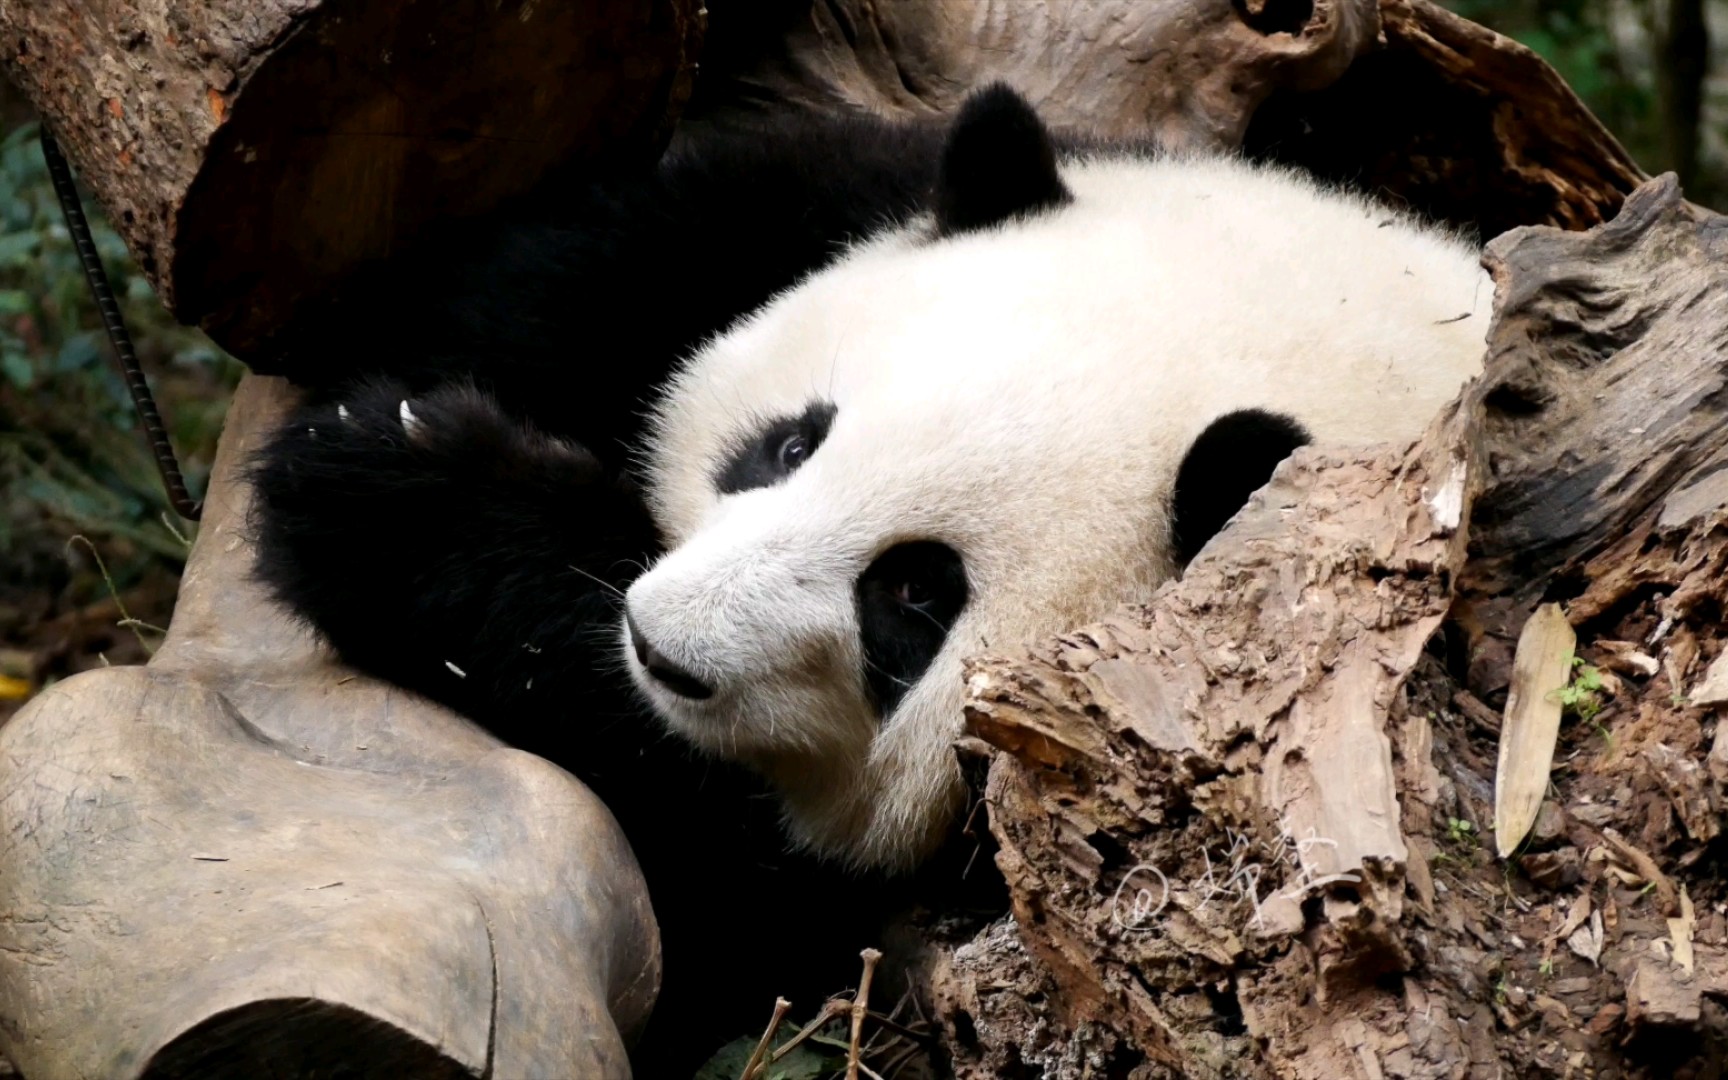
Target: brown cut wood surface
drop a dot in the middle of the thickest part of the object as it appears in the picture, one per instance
(251, 152)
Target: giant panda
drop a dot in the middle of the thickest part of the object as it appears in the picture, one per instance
(711, 474)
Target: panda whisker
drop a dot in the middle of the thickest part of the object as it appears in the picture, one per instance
(904, 684)
(933, 620)
(603, 583)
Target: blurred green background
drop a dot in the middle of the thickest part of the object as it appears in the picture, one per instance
(73, 465)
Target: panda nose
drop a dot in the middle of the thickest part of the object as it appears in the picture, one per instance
(663, 670)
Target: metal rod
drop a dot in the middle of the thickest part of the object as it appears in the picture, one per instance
(130, 370)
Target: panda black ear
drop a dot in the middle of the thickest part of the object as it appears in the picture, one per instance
(998, 163)
(1231, 459)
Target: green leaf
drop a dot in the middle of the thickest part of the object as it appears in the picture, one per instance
(78, 352)
(17, 369)
(18, 249)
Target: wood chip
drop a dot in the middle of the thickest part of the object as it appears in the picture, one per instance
(1647, 870)
(1541, 667)
(1586, 941)
(1680, 931)
(1575, 917)
(1712, 689)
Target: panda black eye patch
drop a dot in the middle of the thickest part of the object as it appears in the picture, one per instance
(775, 451)
(908, 599)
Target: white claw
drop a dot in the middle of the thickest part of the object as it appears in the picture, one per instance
(410, 422)
(342, 412)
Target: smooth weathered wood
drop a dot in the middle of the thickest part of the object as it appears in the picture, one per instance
(1236, 823)
(250, 152)
(1401, 96)
(244, 860)
(1192, 71)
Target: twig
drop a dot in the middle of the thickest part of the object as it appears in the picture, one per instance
(900, 1029)
(780, 1007)
(860, 1006)
(830, 1011)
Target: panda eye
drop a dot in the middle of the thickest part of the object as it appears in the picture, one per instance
(793, 451)
(908, 598)
(912, 593)
(772, 452)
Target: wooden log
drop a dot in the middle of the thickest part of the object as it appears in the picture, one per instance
(250, 153)
(1457, 122)
(1401, 97)
(1191, 71)
(244, 860)
(1230, 820)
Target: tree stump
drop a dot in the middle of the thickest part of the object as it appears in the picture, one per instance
(1230, 820)
(244, 860)
(252, 153)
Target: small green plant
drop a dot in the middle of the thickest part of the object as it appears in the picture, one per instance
(1546, 968)
(1582, 697)
(1461, 832)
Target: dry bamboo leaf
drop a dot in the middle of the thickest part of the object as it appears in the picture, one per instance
(1541, 667)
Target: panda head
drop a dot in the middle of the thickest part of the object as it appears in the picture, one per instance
(993, 422)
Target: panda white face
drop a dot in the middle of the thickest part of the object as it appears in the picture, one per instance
(967, 434)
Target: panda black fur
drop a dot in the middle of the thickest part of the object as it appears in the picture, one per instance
(467, 518)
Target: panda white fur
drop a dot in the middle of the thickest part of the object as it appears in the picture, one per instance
(787, 425)
(986, 428)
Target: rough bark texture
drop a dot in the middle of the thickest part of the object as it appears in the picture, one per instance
(242, 860)
(252, 152)
(1229, 820)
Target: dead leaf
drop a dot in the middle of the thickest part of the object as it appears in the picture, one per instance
(1541, 667)
(1586, 941)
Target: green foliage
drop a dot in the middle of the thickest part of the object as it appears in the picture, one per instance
(71, 457)
(1461, 832)
(1582, 696)
(1607, 53)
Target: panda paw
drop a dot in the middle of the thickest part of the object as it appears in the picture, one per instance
(431, 538)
